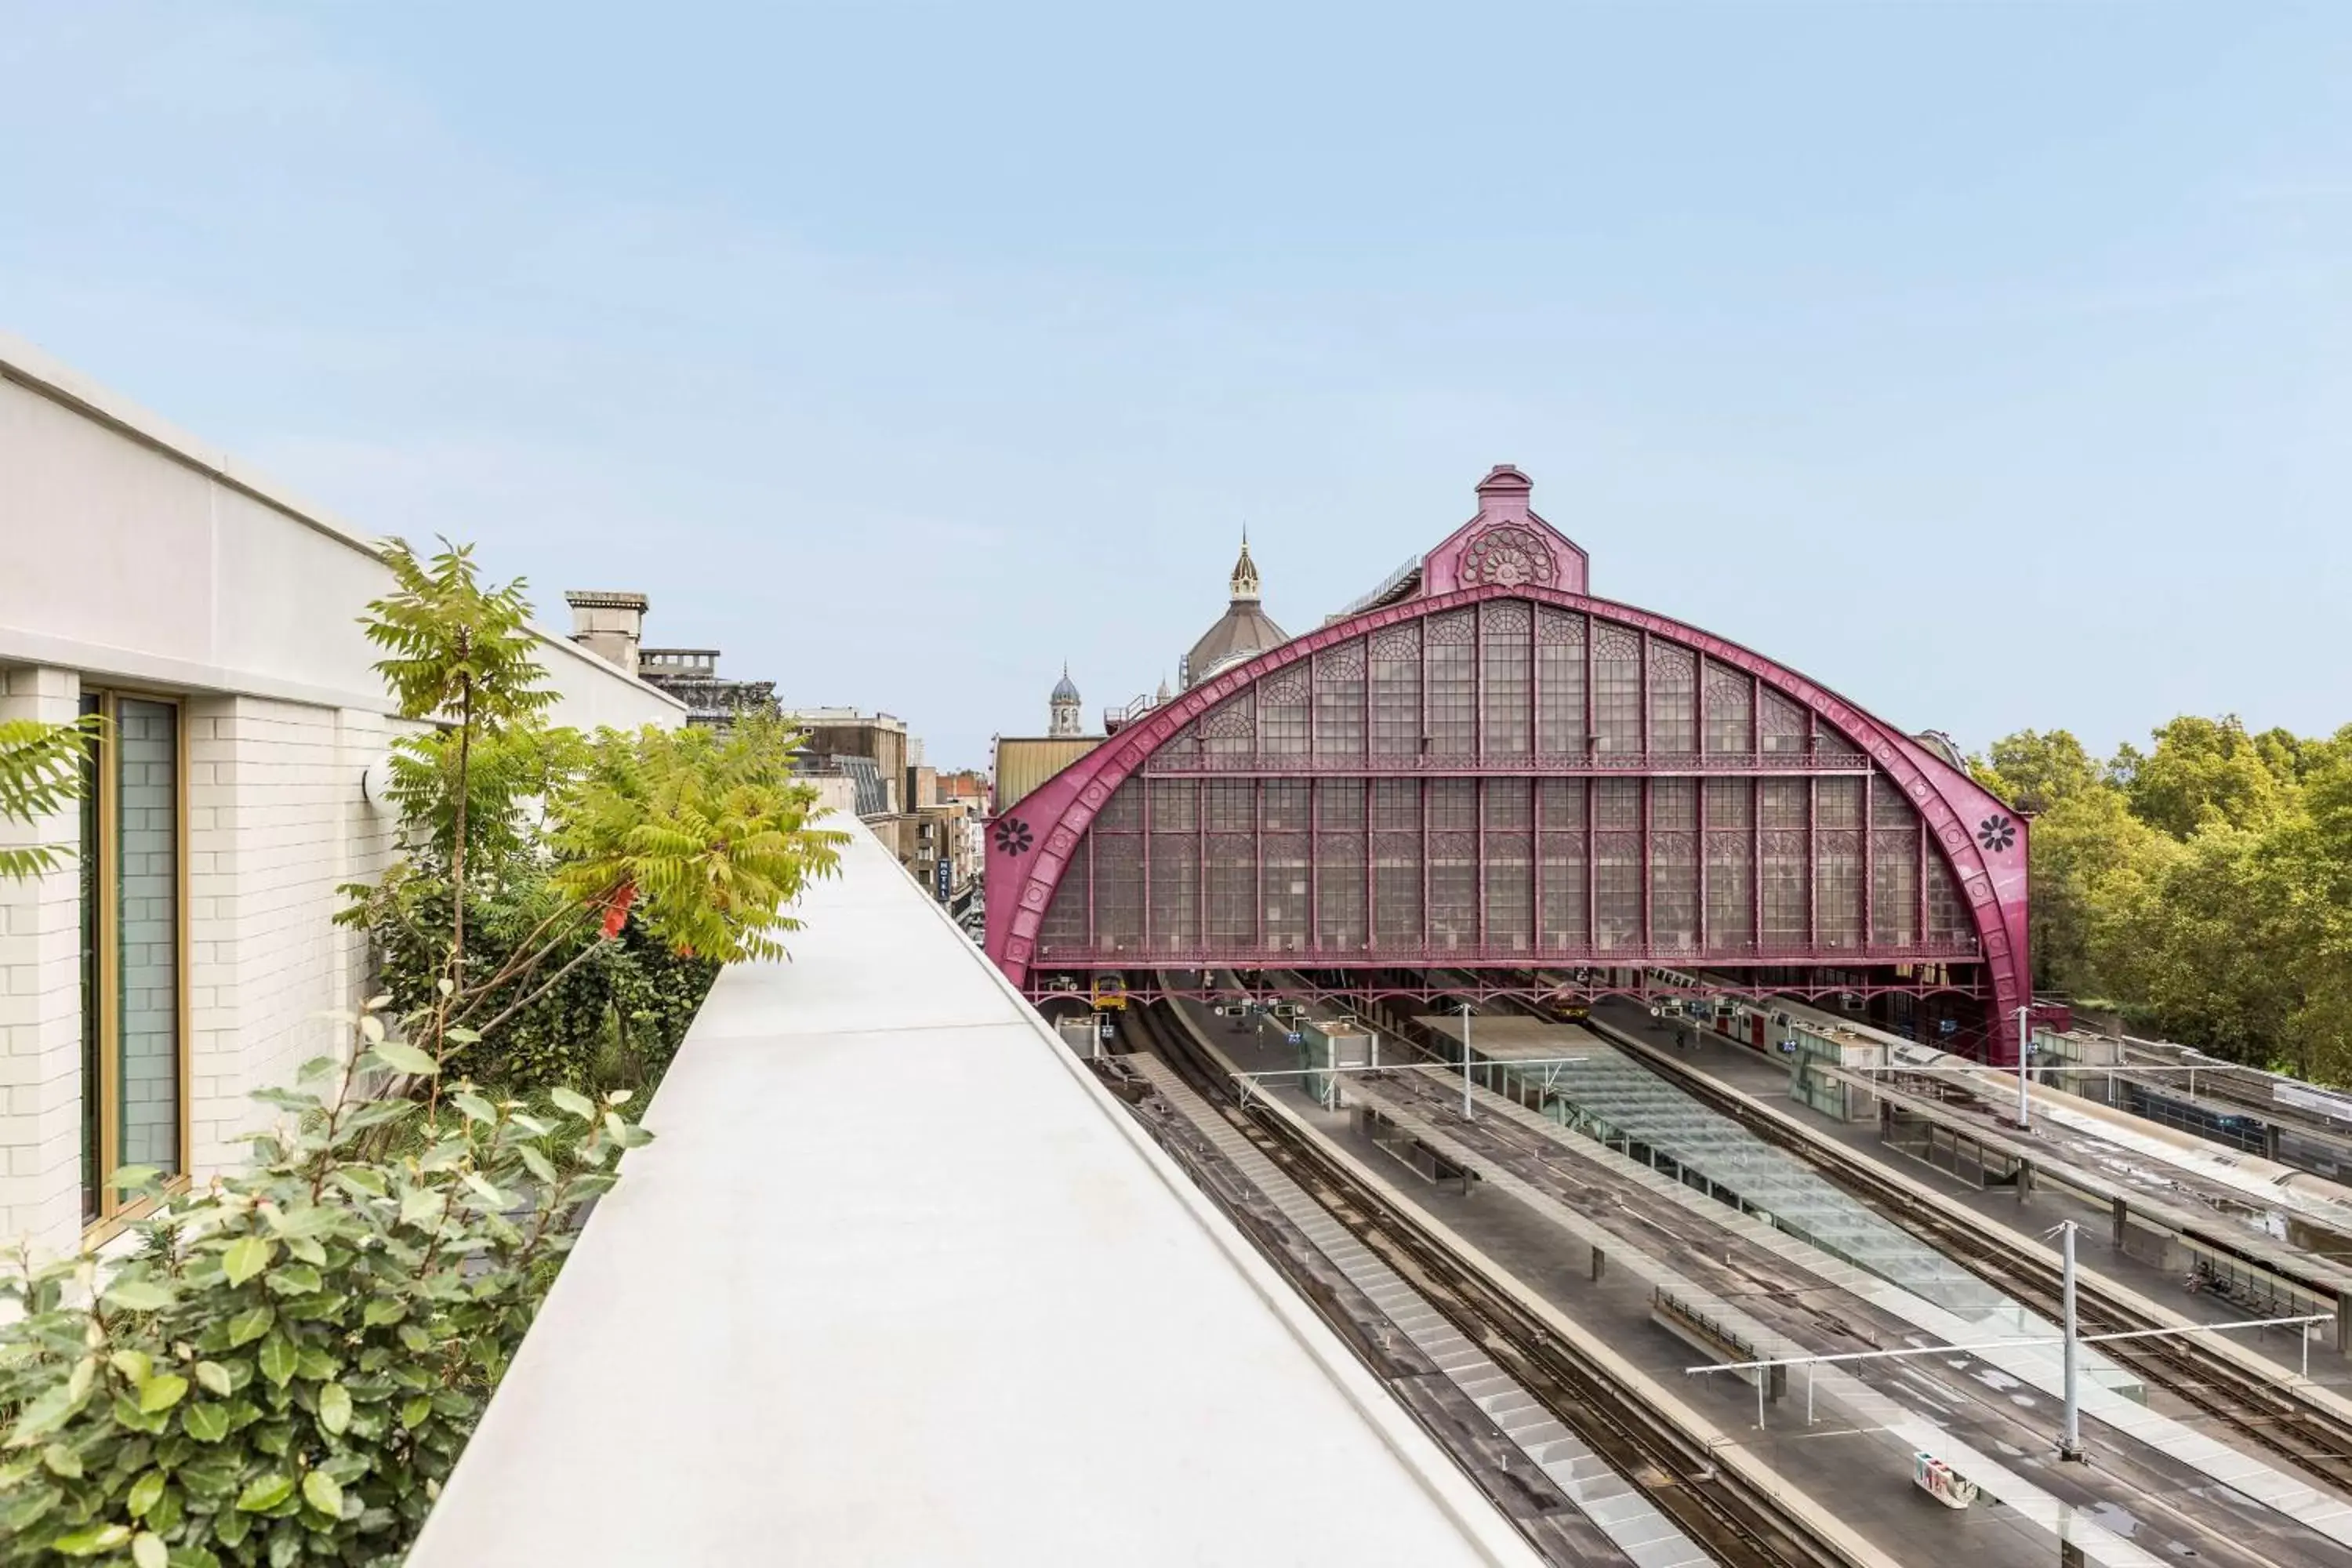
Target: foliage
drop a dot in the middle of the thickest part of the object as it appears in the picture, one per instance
(614, 1018)
(508, 776)
(2034, 771)
(455, 648)
(706, 834)
(41, 774)
(290, 1365)
(2203, 886)
(2209, 771)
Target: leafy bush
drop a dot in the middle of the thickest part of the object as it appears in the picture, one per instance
(614, 1018)
(291, 1366)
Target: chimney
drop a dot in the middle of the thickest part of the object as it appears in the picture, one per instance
(608, 625)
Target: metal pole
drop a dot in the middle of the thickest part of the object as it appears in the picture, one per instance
(1466, 1061)
(2070, 1441)
(2025, 1116)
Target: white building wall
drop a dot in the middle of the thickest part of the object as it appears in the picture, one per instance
(133, 557)
(40, 1002)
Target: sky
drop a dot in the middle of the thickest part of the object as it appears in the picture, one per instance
(1987, 363)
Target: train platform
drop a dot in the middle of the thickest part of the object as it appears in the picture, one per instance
(1819, 1464)
(899, 1282)
(1922, 1403)
(2033, 1210)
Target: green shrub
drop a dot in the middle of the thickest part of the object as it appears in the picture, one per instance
(290, 1365)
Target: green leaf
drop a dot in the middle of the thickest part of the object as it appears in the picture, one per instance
(295, 1279)
(335, 1408)
(133, 1365)
(89, 1543)
(460, 1034)
(537, 1164)
(277, 1358)
(148, 1551)
(62, 1461)
(139, 1295)
(134, 1178)
(205, 1423)
(85, 1374)
(320, 1490)
(475, 1107)
(487, 1193)
(250, 1325)
(247, 1257)
(162, 1393)
(421, 1206)
(363, 1181)
(215, 1378)
(401, 1057)
(24, 1509)
(383, 1310)
(575, 1102)
(144, 1493)
(264, 1492)
(413, 1413)
(43, 1415)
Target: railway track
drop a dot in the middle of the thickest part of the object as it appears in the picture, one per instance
(1740, 1528)
(2315, 1441)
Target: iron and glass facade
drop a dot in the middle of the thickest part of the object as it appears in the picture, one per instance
(1497, 770)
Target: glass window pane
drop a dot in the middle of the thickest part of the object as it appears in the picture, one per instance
(147, 828)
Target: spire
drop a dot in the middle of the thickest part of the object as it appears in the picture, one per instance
(1244, 578)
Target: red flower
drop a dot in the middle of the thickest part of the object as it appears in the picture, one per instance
(616, 908)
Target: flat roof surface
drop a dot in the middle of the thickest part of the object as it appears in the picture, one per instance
(899, 1282)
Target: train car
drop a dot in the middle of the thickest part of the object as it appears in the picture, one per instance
(1110, 992)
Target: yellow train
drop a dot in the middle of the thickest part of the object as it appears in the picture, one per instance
(1110, 992)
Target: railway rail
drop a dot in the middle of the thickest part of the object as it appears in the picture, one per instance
(2269, 1415)
(1740, 1526)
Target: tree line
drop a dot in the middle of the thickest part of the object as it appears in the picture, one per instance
(2202, 889)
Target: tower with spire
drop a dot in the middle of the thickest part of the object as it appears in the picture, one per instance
(1065, 707)
(1243, 631)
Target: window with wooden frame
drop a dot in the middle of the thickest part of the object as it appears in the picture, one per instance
(134, 1013)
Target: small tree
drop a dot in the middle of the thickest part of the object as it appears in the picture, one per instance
(459, 652)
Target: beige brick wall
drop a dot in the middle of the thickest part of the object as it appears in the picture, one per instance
(277, 822)
(41, 1003)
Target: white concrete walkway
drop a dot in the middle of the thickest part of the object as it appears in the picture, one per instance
(900, 1284)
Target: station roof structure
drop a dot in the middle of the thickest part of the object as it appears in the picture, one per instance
(1481, 765)
(899, 1282)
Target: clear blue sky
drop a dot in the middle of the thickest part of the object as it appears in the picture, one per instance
(1987, 363)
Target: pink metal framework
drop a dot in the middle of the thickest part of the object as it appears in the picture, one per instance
(1246, 741)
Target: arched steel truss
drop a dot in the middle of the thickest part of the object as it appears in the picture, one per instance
(1662, 730)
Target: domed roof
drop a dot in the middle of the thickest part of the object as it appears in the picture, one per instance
(1243, 632)
(1064, 689)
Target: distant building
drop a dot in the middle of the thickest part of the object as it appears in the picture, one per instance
(610, 624)
(691, 675)
(1063, 709)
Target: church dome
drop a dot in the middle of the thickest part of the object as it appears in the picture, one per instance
(1064, 689)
